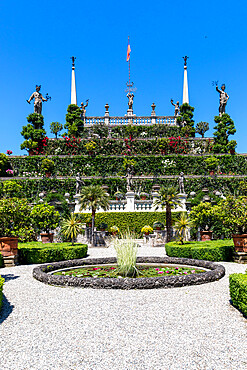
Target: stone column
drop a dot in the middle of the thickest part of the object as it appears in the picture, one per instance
(107, 120)
(130, 197)
(153, 114)
(183, 198)
(185, 87)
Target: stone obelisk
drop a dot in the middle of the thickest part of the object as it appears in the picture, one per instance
(185, 87)
(73, 86)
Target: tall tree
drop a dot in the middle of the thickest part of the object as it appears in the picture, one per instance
(225, 127)
(169, 199)
(185, 117)
(33, 132)
(94, 196)
(201, 128)
(74, 121)
(55, 128)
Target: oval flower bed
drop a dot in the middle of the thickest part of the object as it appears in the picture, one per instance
(45, 273)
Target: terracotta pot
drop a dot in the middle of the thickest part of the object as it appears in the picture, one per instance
(8, 246)
(146, 233)
(47, 237)
(47, 174)
(143, 197)
(157, 228)
(240, 242)
(206, 235)
(114, 233)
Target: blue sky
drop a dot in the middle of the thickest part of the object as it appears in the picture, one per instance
(37, 40)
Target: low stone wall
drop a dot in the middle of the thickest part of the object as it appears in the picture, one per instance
(216, 272)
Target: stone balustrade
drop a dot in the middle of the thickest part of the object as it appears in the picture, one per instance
(130, 204)
(126, 120)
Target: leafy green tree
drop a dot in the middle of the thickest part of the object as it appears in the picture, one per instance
(169, 199)
(55, 128)
(15, 219)
(201, 128)
(186, 117)
(71, 227)
(45, 217)
(33, 132)
(234, 214)
(94, 196)
(225, 127)
(74, 122)
(204, 215)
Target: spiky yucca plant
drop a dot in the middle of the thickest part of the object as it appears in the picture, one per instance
(182, 225)
(71, 227)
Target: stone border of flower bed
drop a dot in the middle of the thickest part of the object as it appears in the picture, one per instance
(42, 273)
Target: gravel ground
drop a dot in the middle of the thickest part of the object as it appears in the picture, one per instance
(46, 327)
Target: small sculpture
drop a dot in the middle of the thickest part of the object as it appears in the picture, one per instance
(223, 99)
(129, 178)
(176, 113)
(181, 183)
(130, 96)
(79, 182)
(83, 108)
(38, 98)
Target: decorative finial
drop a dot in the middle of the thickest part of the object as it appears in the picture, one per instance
(73, 61)
(185, 60)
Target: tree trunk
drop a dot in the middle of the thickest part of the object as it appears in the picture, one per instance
(168, 222)
(93, 222)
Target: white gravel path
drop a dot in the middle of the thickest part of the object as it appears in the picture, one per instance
(46, 327)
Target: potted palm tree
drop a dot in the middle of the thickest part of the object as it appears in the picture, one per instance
(169, 199)
(94, 196)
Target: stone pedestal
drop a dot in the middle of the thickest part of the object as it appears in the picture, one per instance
(10, 261)
(77, 198)
(130, 113)
(240, 257)
(183, 198)
(130, 197)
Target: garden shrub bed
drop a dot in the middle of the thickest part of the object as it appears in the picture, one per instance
(37, 252)
(1, 291)
(238, 291)
(30, 188)
(218, 250)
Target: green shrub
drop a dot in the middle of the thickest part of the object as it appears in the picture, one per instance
(238, 291)
(219, 250)
(37, 252)
(1, 291)
(1, 261)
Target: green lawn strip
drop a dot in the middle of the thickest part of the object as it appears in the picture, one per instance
(37, 252)
(238, 291)
(214, 250)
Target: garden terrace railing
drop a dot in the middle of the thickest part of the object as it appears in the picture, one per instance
(126, 120)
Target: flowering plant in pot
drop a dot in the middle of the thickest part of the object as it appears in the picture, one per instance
(146, 230)
(234, 216)
(45, 218)
(114, 230)
(102, 226)
(157, 225)
(143, 195)
(118, 195)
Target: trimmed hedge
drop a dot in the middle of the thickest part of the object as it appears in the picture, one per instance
(238, 291)
(134, 221)
(219, 250)
(37, 252)
(1, 291)
(1, 261)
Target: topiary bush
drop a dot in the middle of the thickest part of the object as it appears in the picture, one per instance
(238, 291)
(218, 250)
(39, 253)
